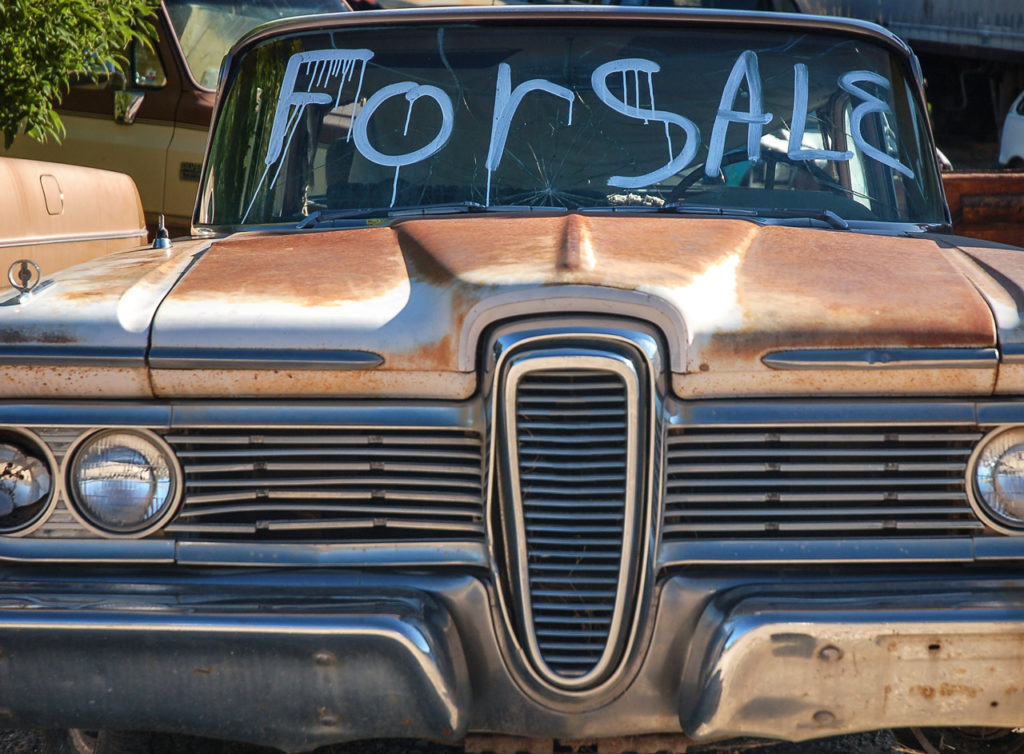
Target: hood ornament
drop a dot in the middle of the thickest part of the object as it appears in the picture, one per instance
(24, 275)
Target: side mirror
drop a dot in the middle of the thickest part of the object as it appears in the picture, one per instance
(126, 105)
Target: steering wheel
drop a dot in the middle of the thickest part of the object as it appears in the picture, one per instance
(770, 156)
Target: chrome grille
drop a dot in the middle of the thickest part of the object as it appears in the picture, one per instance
(572, 435)
(331, 484)
(798, 481)
(572, 423)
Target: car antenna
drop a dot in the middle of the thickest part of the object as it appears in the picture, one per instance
(163, 238)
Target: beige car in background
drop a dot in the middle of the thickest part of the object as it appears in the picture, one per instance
(153, 125)
(61, 215)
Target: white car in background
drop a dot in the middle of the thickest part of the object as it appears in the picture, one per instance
(1011, 143)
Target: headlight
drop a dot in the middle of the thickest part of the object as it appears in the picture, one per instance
(26, 482)
(123, 482)
(998, 485)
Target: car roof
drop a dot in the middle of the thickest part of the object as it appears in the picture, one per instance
(529, 13)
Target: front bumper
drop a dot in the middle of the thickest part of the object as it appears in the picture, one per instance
(799, 666)
(297, 659)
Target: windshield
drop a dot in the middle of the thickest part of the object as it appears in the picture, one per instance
(206, 29)
(569, 116)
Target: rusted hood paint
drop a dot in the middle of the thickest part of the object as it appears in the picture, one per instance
(421, 293)
(84, 332)
(997, 271)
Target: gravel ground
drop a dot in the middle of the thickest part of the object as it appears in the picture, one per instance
(879, 742)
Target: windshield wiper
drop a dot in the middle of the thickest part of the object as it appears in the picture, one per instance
(689, 208)
(417, 210)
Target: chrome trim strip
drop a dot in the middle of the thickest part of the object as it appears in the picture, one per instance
(998, 548)
(750, 413)
(355, 555)
(75, 237)
(275, 555)
(30, 354)
(86, 414)
(1012, 353)
(258, 358)
(91, 550)
(351, 415)
(887, 358)
(554, 300)
(745, 552)
(583, 15)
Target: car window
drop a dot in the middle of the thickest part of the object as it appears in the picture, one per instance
(570, 117)
(147, 69)
(206, 29)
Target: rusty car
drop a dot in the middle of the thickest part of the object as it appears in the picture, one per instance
(533, 379)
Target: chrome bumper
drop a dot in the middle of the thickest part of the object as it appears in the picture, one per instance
(294, 674)
(801, 666)
(300, 658)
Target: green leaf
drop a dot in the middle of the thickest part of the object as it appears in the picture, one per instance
(45, 43)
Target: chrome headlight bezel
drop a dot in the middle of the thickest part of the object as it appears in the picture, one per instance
(983, 508)
(80, 511)
(32, 444)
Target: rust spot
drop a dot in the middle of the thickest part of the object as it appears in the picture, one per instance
(83, 382)
(315, 383)
(958, 689)
(986, 205)
(620, 252)
(32, 335)
(801, 288)
(437, 355)
(303, 269)
(203, 671)
(577, 251)
(947, 690)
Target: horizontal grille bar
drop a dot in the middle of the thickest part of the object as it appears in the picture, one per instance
(333, 485)
(770, 482)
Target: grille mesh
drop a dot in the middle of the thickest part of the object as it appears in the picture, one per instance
(818, 482)
(571, 442)
(331, 484)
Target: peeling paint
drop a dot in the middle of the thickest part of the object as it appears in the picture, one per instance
(724, 291)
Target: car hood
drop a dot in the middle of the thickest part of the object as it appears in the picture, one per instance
(402, 310)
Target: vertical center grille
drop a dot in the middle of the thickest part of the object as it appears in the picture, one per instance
(572, 501)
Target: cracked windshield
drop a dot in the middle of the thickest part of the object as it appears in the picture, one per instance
(353, 125)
